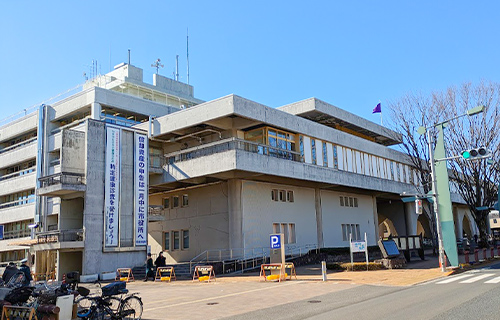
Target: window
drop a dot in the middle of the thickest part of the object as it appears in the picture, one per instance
(301, 148)
(325, 155)
(282, 195)
(351, 202)
(185, 201)
(276, 228)
(175, 200)
(284, 230)
(355, 202)
(351, 229)
(176, 240)
(185, 239)
(274, 194)
(166, 203)
(341, 201)
(289, 196)
(166, 241)
(291, 233)
(313, 151)
(335, 158)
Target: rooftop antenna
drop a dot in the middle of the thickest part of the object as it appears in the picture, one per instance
(157, 65)
(177, 67)
(129, 57)
(187, 53)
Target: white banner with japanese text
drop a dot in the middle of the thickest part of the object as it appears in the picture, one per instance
(112, 187)
(141, 189)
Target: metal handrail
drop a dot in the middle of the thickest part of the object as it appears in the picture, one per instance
(243, 254)
(232, 144)
(62, 178)
(61, 236)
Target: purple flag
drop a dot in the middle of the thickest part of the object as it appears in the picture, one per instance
(377, 109)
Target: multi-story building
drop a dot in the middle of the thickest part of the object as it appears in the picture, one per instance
(222, 174)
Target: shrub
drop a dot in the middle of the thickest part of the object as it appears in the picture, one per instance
(357, 266)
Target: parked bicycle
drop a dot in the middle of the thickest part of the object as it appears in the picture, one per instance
(113, 303)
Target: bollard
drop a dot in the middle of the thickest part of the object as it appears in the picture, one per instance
(492, 252)
(476, 255)
(323, 270)
(484, 253)
(466, 254)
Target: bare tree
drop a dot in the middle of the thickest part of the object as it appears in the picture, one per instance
(476, 182)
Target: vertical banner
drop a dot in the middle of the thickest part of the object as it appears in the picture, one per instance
(141, 188)
(112, 187)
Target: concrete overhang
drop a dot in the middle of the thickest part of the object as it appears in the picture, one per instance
(67, 245)
(61, 190)
(334, 117)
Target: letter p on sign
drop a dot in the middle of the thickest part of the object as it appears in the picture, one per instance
(275, 242)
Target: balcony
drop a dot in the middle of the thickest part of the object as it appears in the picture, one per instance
(17, 153)
(18, 181)
(59, 239)
(61, 184)
(156, 213)
(156, 163)
(232, 144)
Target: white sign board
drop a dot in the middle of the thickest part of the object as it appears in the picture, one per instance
(358, 246)
(112, 187)
(141, 188)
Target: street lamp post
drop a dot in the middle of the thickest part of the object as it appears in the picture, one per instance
(434, 176)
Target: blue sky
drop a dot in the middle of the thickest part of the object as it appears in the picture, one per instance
(351, 54)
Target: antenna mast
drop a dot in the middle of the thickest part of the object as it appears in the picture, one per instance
(177, 67)
(187, 53)
(157, 65)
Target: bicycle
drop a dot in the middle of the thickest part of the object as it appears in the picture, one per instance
(107, 305)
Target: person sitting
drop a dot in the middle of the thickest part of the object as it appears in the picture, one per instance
(160, 261)
(149, 268)
(9, 272)
(27, 272)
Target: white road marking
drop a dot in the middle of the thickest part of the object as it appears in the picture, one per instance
(494, 280)
(471, 280)
(454, 279)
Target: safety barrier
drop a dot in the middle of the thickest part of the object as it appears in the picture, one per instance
(165, 274)
(466, 255)
(273, 276)
(16, 312)
(207, 273)
(124, 274)
(44, 276)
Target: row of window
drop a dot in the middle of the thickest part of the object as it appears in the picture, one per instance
(348, 202)
(176, 240)
(351, 229)
(17, 199)
(288, 230)
(282, 195)
(176, 202)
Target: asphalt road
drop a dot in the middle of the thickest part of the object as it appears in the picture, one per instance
(470, 295)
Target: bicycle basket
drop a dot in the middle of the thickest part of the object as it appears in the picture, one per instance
(114, 288)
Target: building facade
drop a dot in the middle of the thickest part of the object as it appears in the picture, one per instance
(218, 175)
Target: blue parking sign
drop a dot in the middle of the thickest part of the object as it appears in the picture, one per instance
(275, 241)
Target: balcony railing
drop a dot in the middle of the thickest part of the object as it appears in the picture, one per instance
(156, 161)
(60, 236)
(62, 178)
(232, 144)
(20, 202)
(14, 234)
(18, 173)
(19, 145)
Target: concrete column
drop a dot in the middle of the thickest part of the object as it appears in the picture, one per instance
(95, 111)
(235, 212)
(375, 219)
(319, 217)
(411, 218)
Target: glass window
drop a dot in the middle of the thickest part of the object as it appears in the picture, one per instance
(166, 240)
(282, 195)
(176, 240)
(351, 202)
(341, 201)
(274, 194)
(289, 196)
(185, 200)
(313, 150)
(301, 147)
(185, 239)
(325, 155)
(291, 233)
(166, 203)
(335, 158)
(355, 202)
(276, 228)
(175, 200)
(284, 230)
(345, 235)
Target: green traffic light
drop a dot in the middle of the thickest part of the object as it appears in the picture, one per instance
(466, 154)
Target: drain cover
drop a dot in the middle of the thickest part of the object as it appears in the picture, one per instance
(212, 303)
(314, 301)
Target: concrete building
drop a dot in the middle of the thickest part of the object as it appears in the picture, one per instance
(222, 174)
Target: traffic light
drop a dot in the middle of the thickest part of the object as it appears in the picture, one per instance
(476, 154)
(418, 206)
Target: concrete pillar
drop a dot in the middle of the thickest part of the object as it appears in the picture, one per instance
(459, 223)
(411, 218)
(95, 111)
(235, 212)
(319, 217)
(375, 219)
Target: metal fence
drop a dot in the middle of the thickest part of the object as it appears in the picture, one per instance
(60, 236)
(62, 178)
